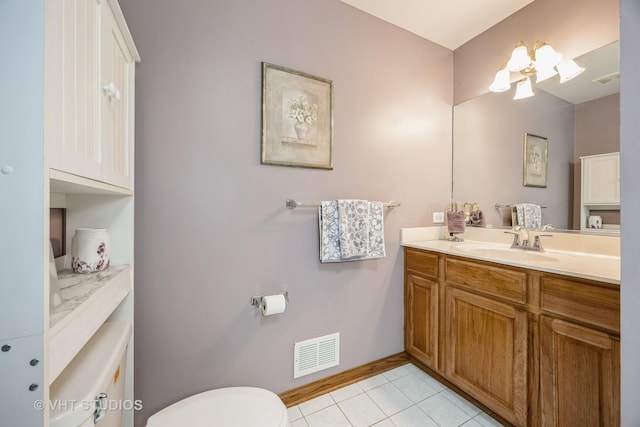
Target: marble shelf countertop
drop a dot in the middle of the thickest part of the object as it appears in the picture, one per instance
(87, 301)
(76, 288)
(603, 267)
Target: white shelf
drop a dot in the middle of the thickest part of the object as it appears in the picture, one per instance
(88, 300)
(63, 182)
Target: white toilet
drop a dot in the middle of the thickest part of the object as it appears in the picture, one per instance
(228, 407)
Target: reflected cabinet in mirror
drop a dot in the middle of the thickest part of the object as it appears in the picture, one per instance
(575, 119)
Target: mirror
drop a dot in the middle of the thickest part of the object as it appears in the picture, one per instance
(578, 118)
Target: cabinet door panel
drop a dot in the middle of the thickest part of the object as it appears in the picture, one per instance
(71, 87)
(601, 179)
(580, 375)
(116, 84)
(421, 334)
(487, 352)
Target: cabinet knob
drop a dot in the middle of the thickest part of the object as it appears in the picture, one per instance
(111, 90)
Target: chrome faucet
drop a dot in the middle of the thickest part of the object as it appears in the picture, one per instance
(522, 239)
(537, 243)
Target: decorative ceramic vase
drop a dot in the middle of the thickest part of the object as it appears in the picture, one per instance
(90, 250)
(301, 129)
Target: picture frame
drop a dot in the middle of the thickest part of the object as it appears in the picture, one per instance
(297, 118)
(535, 164)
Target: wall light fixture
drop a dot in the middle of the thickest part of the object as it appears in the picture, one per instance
(543, 62)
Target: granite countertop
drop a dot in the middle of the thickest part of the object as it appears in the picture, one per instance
(604, 268)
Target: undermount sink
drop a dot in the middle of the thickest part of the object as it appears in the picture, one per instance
(506, 253)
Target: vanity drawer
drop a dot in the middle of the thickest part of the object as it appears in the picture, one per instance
(583, 301)
(421, 262)
(501, 282)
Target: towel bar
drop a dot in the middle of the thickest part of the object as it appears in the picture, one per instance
(498, 206)
(292, 204)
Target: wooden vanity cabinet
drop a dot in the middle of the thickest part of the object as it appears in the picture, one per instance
(486, 335)
(421, 302)
(538, 349)
(579, 352)
(579, 375)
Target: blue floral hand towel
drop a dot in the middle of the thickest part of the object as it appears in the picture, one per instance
(351, 230)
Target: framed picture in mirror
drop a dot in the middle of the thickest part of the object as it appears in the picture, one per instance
(534, 161)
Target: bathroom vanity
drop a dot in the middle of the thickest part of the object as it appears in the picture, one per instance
(533, 336)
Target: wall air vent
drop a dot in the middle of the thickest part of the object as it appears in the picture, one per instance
(605, 80)
(316, 354)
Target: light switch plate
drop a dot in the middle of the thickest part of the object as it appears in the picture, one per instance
(438, 217)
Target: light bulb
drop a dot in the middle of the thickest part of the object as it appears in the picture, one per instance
(543, 74)
(523, 89)
(520, 58)
(546, 57)
(501, 82)
(569, 70)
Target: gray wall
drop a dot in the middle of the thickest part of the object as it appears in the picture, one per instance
(597, 128)
(630, 193)
(488, 150)
(597, 131)
(211, 226)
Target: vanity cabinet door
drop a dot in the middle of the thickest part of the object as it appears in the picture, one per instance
(486, 352)
(421, 322)
(579, 375)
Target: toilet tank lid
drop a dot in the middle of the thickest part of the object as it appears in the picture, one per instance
(89, 373)
(231, 406)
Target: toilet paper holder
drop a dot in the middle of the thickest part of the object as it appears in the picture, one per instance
(256, 300)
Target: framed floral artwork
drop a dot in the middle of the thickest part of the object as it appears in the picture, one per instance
(297, 118)
(534, 163)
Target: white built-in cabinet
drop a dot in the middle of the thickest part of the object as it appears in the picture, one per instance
(78, 157)
(90, 65)
(600, 184)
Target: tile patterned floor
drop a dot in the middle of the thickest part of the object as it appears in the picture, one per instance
(402, 397)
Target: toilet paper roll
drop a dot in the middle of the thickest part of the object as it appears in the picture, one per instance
(273, 304)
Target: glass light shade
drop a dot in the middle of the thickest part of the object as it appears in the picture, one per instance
(520, 58)
(569, 70)
(501, 82)
(543, 74)
(546, 57)
(523, 89)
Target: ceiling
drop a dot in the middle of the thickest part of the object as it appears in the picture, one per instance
(449, 23)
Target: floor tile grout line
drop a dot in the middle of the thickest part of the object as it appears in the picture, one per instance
(387, 380)
(386, 417)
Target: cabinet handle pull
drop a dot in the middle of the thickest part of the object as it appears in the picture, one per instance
(111, 91)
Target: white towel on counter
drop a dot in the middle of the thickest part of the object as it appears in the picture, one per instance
(351, 230)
